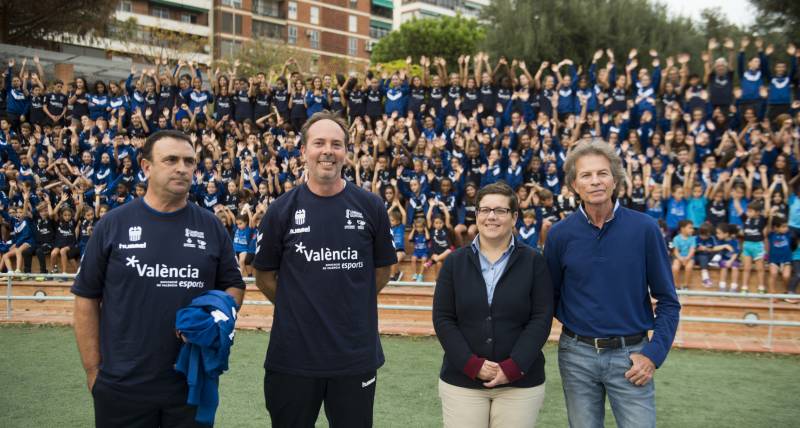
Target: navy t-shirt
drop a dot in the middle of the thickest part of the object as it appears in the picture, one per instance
(145, 265)
(326, 250)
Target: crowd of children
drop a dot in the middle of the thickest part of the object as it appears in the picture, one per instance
(711, 153)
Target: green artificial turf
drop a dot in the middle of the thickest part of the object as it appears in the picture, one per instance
(44, 386)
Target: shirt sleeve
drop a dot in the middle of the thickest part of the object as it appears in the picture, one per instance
(662, 288)
(228, 273)
(553, 259)
(269, 240)
(445, 323)
(535, 333)
(92, 272)
(384, 253)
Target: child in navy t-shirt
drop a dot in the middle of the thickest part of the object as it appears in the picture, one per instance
(780, 252)
(439, 230)
(727, 249)
(704, 252)
(528, 233)
(419, 237)
(398, 228)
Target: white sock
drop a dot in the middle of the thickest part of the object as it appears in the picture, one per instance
(722, 284)
(734, 286)
(704, 274)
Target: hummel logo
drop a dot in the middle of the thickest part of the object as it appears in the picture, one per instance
(131, 261)
(367, 383)
(299, 248)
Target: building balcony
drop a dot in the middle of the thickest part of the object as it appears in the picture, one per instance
(167, 24)
(269, 8)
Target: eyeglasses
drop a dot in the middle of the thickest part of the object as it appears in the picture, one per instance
(499, 212)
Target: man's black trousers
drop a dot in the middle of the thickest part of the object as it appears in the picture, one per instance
(113, 411)
(294, 401)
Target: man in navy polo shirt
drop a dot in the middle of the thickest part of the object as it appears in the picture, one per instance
(144, 261)
(323, 253)
(606, 261)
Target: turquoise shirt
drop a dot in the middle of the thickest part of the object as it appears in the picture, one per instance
(794, 211)
(684, 245)
(696, 210)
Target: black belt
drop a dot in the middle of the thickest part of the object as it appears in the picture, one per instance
(606, 342)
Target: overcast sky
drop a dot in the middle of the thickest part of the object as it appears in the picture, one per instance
(739, 12)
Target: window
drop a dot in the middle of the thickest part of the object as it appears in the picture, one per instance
(352, 46)
(189, 18)
(352, 24)
(293, 10)
(353, 4)
(236, 4)
(314, 43)
(267, 8)
(231, 23)
(159, 12)
(125, 6)
(267, 30)
(229, 48)
(377, 32)
(314, 15)
(292, 35)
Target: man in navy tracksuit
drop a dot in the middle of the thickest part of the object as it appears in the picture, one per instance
(17, 98)
(751, 78)
(779, 93)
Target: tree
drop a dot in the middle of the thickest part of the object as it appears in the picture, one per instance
(447, 37)
(263, 56)
(23, 22)
(778, 19)
(157, 42)
(715, 24)
(550, 30)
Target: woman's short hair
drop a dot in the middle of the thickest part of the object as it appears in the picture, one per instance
(596, 147)
(499, 188)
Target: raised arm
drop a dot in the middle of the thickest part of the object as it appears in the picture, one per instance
(666, 185)
(478, 66)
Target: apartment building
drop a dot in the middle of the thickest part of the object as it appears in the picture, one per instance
(150, 28)
(344, 31)
(330, 30)
(405, 10)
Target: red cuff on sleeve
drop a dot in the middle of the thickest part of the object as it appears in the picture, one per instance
(511, 370)
(473, 366)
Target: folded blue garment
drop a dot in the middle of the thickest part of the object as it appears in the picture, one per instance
(207, 324)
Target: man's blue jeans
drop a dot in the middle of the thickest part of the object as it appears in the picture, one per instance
(588, 375)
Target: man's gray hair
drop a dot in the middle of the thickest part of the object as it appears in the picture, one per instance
(597, 147)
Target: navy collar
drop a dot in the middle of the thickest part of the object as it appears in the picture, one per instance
(613, 213)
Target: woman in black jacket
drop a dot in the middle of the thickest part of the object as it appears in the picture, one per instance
(492, 311)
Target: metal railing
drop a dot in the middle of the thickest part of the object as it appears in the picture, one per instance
(770, 323)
